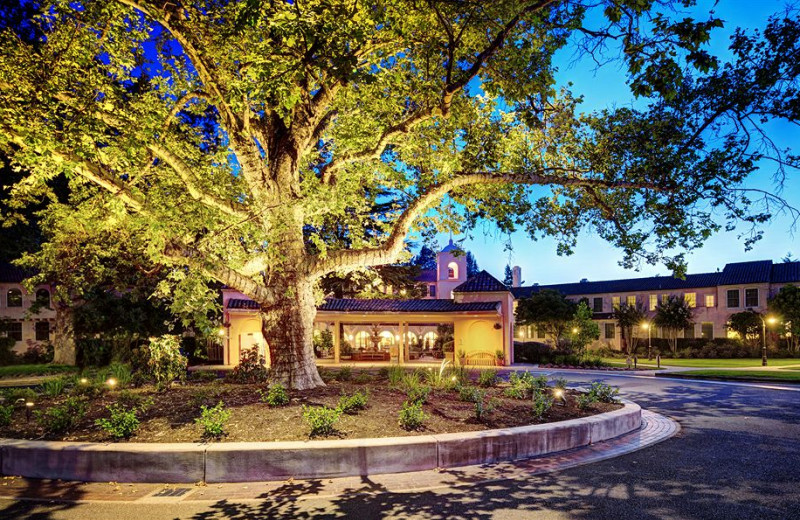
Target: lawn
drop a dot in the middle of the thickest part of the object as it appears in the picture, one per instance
(772, 375)
(35, 370)
(711, 363)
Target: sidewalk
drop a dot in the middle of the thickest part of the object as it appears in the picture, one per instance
(655, 428)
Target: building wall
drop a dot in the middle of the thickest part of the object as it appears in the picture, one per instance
(23, 315)
(505, 320)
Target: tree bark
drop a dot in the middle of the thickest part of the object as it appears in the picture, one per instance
(288, 326)
(64, 352)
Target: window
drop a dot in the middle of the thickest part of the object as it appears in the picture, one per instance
(691, 299)
(664, 299)
(688, 332)
(14, 330)
(631, 301)
(43, 297)
(653, 301)
(709, 300)
(610, 330)
(733, 298)
(751, 297)
(597, 305)
(540, 332)
(14, 298)
(42, 330)
(452, 270)
(615, 302)
(432, 291)
(707, 330)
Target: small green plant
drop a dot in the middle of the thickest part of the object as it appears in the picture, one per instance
(5, 414)
(62, 418)
(411, 416)
(395, 375)
(585, 400)
(363, 378)
(121, 373)
(275, 396)
(351, 404)
(418, 393)
(345, 373)
(130, 399)
(326, 374)
(411, 379)
(321, 419)
(25, 394)
(54, 387)
(203, 376)
(122, 423)
(165, 362)
(541, 404)
(252, 367)
(483, 405)
(516, 392)
(213, 420)
(604, 393)
(487, 378)
(443, 378)
(560, 383)
(468, 393)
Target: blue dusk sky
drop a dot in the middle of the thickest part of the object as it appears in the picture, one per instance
(594, 258)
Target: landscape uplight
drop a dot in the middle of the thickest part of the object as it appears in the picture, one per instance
(111, 382)
(28, 408)
(84, 381)
(558, 394)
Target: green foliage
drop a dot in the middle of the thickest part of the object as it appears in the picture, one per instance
(442, 378)
(353, 403)
(603, 392)
(5, 414)
(524, 384)
(326, 374)
(483, 405)
(418, 393)
(786, 306)
(411, 416)
(673, 316)
(363, 378)
(488, 378)
(395, 375)
(122, 422)
(323, 343)
(34, 370)
(541, 404)
(468, 393)
(585, 400)
(275, 396)
(321, 420)
(213, 420)
(121, 372)
(63, 417)
(252, 368)
(345, 373)
(549, 310)
(583, 329)
(25, 394)
(560, 383)
(748, 325)
(165, 362)
(203, 376)
(54, 387)
(628, 317)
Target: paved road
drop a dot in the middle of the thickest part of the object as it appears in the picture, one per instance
(737, 456)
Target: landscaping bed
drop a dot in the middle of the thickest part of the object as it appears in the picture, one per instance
(171, 417)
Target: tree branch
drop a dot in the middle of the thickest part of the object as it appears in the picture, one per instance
(179, 105)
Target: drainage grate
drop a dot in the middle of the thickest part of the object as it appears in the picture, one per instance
(172, 492)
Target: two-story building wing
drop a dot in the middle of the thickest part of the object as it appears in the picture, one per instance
(25, 327)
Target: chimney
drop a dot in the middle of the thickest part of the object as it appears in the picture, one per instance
(516, 276)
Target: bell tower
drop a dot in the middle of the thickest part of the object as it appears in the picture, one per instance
(451, 270)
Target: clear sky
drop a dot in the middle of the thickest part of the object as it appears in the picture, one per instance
(594, 258)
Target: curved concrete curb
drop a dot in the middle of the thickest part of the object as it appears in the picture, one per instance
(257, 461)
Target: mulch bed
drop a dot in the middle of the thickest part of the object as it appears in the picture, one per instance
(172, 416)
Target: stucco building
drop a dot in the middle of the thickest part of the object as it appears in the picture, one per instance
(26, 327)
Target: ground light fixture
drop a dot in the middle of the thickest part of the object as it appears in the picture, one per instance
(111, 382)
(558, 393)
(28, 408)
(84, 381)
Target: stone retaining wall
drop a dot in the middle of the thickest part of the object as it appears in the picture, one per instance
(257, 461)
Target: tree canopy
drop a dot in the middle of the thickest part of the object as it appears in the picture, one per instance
(265, 145)
(549, 310)
(786, 305)
(673, 315)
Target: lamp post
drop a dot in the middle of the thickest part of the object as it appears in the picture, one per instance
(646, 325)
(770, 319)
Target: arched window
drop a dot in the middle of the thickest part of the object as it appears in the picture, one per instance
(14, 298)
(429, 339)
(362, 339)
(452, 270)
(387, 338)
(43, 297)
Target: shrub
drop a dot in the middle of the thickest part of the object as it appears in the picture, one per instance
(213, 420)
(524, 384)
(275, 396)
(351, 404)
(487, 378)
(411, 416)
(483, 406)
(541, 404)
(203, 376)
(517, 392)
(560, 383)
(468, 393)
(25, 394)
(54, 387)
(410, 379)
(252, 368)
(585, 400)
(321, 419)
(62, 418)
(363, 378)
(122, 423)
(38, 354)
(442, 378)
(121, 372)
(165, 362)
(418, 393)
(603, 392)
(326, 374)
(5, 414)
(129, 399)
(345, 373)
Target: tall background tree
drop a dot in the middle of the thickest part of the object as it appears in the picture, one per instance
(550, 311)
(508, 276)
(583, 329)
(673, 315)
(265, 145)
(629, 317)
(786, 307)
(472, 265)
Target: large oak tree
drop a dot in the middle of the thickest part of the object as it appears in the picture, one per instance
(265, 144)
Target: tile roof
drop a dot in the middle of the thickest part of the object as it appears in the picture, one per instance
(481, 282)
(786, 272)
(353, 305)
(746, 272)
(237, 303)
(10, 273)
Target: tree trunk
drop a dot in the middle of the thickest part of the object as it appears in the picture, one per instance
(288, 326)
(64, 336)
